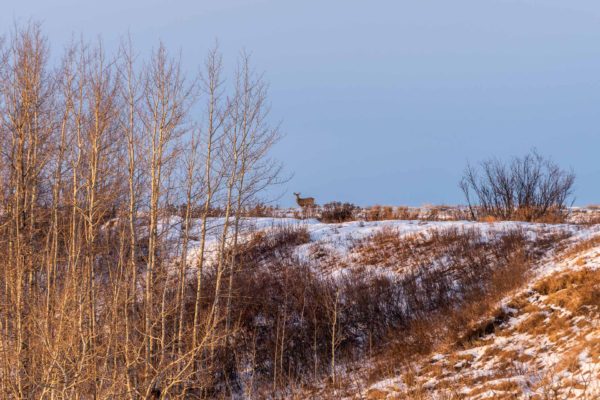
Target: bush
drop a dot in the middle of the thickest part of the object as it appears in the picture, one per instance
(336, 212)
(530, 188)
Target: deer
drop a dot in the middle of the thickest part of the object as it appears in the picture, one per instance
(306, 202)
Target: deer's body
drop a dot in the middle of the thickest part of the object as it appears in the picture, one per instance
(306, 202)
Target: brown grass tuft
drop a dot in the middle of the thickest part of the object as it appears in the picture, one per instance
(572, 290)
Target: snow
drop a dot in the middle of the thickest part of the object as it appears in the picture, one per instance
(541, 356)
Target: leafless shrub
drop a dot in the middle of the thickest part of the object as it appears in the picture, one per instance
(530, 188)
(262, 210)
(336, 212)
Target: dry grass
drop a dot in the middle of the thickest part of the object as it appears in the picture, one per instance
(383, 213)
(388, 248)
(575, 291)
(488, 219)
(504, 259)
(560, 310)
(532, 323)
(423, 213)
(580, 247)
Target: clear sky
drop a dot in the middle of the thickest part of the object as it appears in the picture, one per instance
(385, 101)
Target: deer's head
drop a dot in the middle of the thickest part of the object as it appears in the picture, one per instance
(297, 194)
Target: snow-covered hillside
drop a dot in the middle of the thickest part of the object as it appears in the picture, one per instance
(541, 342)
(340, 238)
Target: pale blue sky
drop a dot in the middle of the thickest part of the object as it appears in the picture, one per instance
(384, 101)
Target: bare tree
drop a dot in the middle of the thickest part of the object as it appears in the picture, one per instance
(26, 129)
(250, 139)
(130, 93)
(95, 295)
(167, 98)
(190, 197)
(212, 89)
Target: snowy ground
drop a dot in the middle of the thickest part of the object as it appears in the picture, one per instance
(339, 238)
(542, 350)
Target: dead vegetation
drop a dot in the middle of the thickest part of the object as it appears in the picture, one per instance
(529, 188)
(296, 325)
(99, 300)
(448, 282)
(543, 344)
(96, 149)
(575, 291)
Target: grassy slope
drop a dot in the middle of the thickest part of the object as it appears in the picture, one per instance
(546, 345)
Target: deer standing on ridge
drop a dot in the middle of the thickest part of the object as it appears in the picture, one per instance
(306, 202)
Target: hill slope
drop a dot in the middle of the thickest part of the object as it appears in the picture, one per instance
(544, 342)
